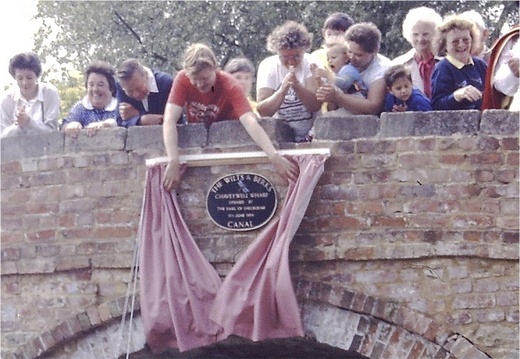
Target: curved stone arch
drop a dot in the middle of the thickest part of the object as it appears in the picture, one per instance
(377, 328)
(332, 315)
(93, 333)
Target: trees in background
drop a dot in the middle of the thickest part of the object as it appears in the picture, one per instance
(159, 31)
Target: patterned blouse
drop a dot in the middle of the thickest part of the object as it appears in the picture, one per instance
(84, 113)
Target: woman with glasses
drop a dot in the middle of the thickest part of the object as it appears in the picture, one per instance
(458, 79)
(285, 86)
(98, 109)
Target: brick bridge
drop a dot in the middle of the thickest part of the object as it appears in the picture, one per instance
(409, 247)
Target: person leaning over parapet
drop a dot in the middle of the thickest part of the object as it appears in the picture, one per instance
(142, 94)
(285, 85)
(333, 29)
(31, 106)
(243, 70)
(363, 40)
(419, 29)
(211, 95)
(458, 79)
(98, 109)
(402, 94)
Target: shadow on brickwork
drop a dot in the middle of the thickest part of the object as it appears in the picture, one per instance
(240, 348)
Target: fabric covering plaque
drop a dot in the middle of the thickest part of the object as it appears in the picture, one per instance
(241, 201)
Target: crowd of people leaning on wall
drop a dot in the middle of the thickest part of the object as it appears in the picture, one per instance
(449, 67)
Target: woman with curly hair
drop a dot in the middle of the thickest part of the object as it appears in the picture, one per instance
(458, 79)
(286, 88)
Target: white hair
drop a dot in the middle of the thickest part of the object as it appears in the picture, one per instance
(419, 14)
(474, 16)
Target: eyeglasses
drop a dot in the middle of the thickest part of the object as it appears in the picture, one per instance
(291, 57)
(465, 40)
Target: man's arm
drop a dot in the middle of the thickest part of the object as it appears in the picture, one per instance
(172, 175)
(283, 166)
(372, 105)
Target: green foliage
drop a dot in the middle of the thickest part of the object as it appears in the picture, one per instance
(158, 32)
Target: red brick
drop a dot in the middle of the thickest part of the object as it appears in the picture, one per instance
(510, 144)
(113, 232)
(513, 159)
(452, 159)
(486, 158)
(382, 221)
(416, 351)
(42, 236)
(13, 168)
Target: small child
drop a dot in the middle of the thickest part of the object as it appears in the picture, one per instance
(402, 95)
(346, 74)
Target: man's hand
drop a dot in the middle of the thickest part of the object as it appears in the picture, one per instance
(172, 174)
(127, 111)
(287, 169)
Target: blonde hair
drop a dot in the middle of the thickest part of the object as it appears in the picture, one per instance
(456, 22)
(342, 46)
(198, 57)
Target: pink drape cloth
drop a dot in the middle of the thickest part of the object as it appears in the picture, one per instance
(257, 299)
(183, 302)
(178, 285)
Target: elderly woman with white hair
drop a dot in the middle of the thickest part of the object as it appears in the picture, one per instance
(419, 28)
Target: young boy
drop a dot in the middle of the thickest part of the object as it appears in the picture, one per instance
(402, 95)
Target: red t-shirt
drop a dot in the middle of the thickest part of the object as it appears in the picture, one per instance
(226, 102)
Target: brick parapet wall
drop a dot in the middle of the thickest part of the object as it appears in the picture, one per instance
(428, 190)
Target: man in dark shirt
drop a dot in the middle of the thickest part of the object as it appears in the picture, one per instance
(142, 94)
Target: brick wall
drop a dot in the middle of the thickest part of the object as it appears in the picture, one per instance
(417, 208)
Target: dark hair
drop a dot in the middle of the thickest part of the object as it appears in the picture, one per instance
(128, 68)
(366, 35)
(338, 21)
(25, 61)
(289, 35)
(105, 69)
(240, 64)
(395, 72)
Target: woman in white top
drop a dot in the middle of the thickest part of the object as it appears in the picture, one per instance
(363, 40)
(419, 28)
(30, 107)
(285, 86)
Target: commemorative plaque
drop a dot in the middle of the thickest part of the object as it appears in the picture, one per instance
(241, 202)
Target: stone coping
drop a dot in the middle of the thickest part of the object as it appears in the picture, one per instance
(231, 133)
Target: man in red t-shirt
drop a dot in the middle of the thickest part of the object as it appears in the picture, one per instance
(211, 95)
